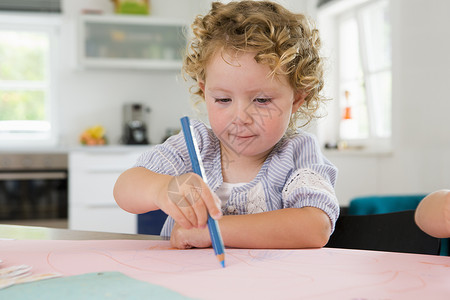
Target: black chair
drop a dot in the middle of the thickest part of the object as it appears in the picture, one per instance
(393, 232)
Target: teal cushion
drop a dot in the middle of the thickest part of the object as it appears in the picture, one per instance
(383, 204)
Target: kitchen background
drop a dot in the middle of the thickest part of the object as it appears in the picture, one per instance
(417, 162)
(91, 97)
(97, 96)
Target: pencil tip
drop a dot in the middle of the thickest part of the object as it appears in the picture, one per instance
(221, 259)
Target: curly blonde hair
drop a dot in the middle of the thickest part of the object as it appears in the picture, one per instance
(287, 42)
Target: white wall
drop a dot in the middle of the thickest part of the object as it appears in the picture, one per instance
(420, 161)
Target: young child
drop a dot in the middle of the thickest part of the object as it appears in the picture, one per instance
(257, 68)
(433, 214)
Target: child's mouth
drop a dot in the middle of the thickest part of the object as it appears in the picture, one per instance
(244, 136)
(242, 139)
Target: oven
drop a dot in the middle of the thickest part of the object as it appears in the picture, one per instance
(33, 188)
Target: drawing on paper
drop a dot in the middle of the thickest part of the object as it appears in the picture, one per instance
(312, 274)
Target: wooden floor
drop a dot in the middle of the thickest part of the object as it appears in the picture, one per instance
(54, 223)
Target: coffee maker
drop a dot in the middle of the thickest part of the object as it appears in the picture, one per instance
(135, 117)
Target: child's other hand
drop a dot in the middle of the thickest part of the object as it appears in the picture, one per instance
(189, 200)
(182, 238)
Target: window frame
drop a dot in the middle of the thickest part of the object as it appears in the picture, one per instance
(329, 18)
(48, 24)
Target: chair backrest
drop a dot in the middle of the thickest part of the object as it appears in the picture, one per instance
(393, 232)
(382, 204)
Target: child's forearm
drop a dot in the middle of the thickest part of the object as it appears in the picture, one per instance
(433, 214)
(137, 190)
(307, 227)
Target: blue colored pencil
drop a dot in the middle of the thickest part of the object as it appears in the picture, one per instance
(197, 165)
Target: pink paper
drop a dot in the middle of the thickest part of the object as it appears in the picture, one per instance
(249, 274)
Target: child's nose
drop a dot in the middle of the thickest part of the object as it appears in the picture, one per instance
(243, 114)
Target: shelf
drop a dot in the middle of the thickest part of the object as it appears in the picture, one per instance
(132, 42)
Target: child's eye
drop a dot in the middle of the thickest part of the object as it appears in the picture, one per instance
(222, 100)
(263, 100)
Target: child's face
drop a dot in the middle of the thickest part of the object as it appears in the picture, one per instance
(248, 110)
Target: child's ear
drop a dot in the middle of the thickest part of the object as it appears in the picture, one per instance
(201, 84)
(299, 99)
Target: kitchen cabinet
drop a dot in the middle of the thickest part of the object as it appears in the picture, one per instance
(133, 42)
(93, 172)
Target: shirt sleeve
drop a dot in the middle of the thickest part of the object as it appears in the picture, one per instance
(312, 179)
(169, 158)
(172, 157)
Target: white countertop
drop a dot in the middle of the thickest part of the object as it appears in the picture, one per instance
(111, 148)
(68, 149)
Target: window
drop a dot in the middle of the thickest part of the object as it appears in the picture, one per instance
(27, 83)
(362, 56)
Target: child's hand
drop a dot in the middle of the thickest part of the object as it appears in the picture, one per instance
(188, 201)
(182, 238)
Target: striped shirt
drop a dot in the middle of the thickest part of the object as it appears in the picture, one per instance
(295, 174)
